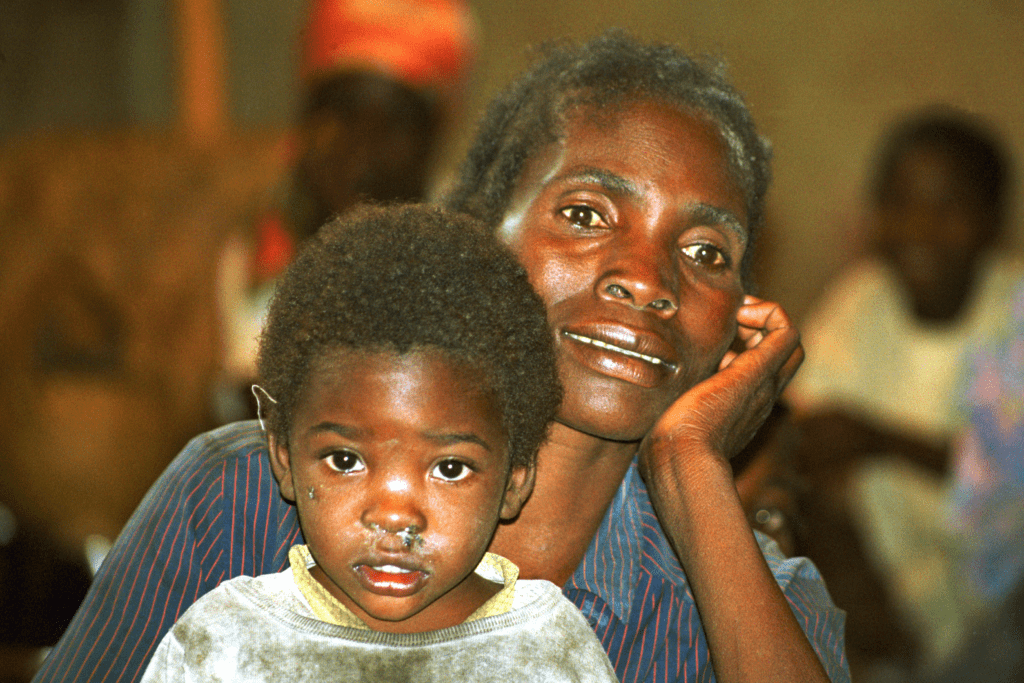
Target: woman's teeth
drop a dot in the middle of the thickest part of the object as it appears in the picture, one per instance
(618, 349)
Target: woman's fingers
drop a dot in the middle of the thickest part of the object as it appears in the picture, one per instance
(725, 410)
(758, 317)
(791, 365)
(768, 336)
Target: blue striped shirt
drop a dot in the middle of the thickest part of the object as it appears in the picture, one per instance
(216, 513)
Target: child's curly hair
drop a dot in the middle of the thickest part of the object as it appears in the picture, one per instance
(404, 277)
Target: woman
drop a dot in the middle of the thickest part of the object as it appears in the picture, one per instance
(629, 181)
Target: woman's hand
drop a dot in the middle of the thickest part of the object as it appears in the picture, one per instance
(721, 414)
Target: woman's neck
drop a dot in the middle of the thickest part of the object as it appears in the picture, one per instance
(577, 477)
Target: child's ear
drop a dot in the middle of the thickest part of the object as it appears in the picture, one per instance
(519, 488)
(281, 465)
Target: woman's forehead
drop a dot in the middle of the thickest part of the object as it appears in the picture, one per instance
(619, 115)
(635, 144)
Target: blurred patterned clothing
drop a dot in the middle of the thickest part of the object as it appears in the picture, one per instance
(987, 499)
(953, 549)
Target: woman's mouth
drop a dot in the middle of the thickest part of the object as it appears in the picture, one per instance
(612, 347)
(603, 352)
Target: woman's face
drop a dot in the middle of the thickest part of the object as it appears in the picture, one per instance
(632, 231)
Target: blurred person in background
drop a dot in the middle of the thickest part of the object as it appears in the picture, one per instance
(381, 82)
(876, 400)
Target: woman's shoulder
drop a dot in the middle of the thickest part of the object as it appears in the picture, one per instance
(228, 466)
(237, 442)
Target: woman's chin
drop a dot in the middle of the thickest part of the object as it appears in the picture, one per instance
(606, 426)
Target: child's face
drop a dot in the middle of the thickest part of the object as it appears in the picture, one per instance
(399, 466)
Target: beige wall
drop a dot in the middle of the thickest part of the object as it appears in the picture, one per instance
(823, 79)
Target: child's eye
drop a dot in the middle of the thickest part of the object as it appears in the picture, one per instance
(706, 255)
(583, 216)
(451, 470)
(345, 461)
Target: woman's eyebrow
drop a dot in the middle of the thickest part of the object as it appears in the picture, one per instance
(709, 214)
(616, 184)
(612, 182)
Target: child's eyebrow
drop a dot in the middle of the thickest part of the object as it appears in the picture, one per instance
(448, 439)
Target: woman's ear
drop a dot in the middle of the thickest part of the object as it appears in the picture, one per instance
(517, 491)
(281, 465)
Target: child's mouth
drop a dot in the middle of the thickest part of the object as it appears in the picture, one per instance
(389, 579)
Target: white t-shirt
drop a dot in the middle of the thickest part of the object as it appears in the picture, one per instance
(263, 629)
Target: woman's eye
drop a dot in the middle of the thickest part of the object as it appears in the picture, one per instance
(583, 216)
(345, 462)
(705, 255)
(451, 470)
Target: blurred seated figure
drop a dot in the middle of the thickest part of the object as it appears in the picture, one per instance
(379, 84)
(876, 397)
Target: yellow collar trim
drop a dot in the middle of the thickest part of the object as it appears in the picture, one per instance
(497, 568)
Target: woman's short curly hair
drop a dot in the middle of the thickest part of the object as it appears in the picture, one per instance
(406, 277)
(610, 70)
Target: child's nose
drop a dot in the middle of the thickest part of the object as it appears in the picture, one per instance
(394, 507)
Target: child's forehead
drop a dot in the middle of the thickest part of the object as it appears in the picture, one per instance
(428, 361)
(423, 392)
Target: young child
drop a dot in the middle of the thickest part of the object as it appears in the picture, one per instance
(407, 379)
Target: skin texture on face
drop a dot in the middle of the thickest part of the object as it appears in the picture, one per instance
(394, 446)
(933, 231)
(633, 233)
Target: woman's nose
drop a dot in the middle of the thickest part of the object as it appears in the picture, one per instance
(641, 277)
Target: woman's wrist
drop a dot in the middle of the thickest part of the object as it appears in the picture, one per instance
(682, 462)
(685, 484)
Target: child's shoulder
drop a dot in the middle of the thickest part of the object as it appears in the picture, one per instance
(529, 591)
(547, 624)
(540, 601)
